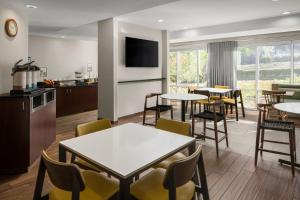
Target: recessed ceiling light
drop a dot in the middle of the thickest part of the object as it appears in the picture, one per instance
(160, 20)
(31, 6)
(275, 0)
(185, 27)
(62, 36)
(286, 13)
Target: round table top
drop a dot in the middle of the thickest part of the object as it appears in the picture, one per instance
(289, 107)
(184, 97)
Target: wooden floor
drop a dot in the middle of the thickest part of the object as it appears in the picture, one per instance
(232, 176)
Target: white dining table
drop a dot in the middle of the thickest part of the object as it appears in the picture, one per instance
(125, 151)
(219, 91)
(183, 98)
(292, 108)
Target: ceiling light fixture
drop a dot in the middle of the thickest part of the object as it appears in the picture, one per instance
(31, 6)
(286, 13)
(160, 20)
(275, 0)
(62, 36)
(185, 27)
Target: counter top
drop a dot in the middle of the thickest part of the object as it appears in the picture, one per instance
(33, 93)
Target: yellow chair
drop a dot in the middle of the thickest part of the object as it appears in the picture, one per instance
(90, 127)
(171, 183)
(69, 183)
(220, 87)
(181, 128)
(233, 102)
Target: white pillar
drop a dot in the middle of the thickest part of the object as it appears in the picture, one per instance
(165, 61)
(108, 69)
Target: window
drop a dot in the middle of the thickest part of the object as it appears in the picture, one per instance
(297, 63)
(246, 74)
(260, 66)
(173, 71)
(187, 68)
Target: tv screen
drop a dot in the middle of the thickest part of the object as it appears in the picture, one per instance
(141, 53)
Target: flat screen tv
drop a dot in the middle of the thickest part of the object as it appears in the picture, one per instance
(141, 53)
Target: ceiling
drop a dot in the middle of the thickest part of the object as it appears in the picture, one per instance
(188, 14)
(56, 15)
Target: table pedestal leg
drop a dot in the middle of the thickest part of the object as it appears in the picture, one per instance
(183, 110)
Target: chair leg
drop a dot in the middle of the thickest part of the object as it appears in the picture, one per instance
(262, 140)
(243, 109)
(231, 112)
(225, 131)
(203, 179)
(236, 112)
(292, 152)
(294, 137)
(257, 145)
(204, 128)
(186, 106)
(226, 108)
(172, 113)
(193, 126)
(144, 117)
(216, 138)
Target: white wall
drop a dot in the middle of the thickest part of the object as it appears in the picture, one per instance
(64, 56)
(131, 96)
(11, 49)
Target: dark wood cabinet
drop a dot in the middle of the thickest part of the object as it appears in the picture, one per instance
(76, 99)
(27, 126)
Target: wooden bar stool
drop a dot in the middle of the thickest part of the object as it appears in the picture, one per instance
(210, 113)
(274, 125)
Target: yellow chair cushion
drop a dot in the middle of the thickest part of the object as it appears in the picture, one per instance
(85, 165)
(166, 163)
(229, 101)
(98, 187)
(205, 101)
(150, 187)
(222, 86)
(218, 97)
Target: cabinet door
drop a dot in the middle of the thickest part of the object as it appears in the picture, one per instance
(63, 102)
(14, 135)
(86, 98)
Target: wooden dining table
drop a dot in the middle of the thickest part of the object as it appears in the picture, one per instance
(127, 150)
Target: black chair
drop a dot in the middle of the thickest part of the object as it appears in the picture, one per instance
(274, 125)
(158, 108)
(213, 111)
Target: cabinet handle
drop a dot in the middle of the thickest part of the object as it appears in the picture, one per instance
(23, 106)
(70, 91)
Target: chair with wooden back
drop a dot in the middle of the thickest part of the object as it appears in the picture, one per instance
(181, 128)
(172, 183)
(158, 108)
(274, 125)
(70, 183)
(213, 111)
(236, 99)
(87, 128)
(272, 97)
